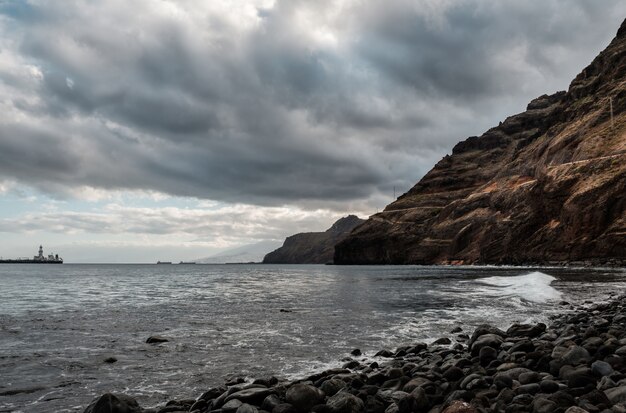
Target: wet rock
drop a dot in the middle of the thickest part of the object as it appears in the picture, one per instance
(459, 407)
(199, 405)
(344, 402)
(156, 340)
(253, 395)
(356, 352)
(526, 330)
(213, 393)
(353, 364)
(485, 329)
(113, 403)
(246, 408)
(486, 340)
(110, 360)
(384, 353)
(330, 387)
(270, 402)
(303, 396)
(443, 341)
(231, 406)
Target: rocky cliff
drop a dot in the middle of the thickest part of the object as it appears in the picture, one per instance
(545, 186)
(313, 247)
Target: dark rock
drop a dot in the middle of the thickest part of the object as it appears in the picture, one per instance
(576, 409)
(344, 402)
(384, 353)
(503, 381)
(246, 408)
(543, 405)
(254, 395)
(486, 355)
(173, 408)
(486, 340)
(270, 402)
(353, 364)
(600, 368)
(548, 386)
(529, 377)
(113, 403)
(443, 341)
(156, 340)
(459, 407)
(322, 408)
(213, 393)
(421, 399)
(373, 405)
(417, 348)
(485, 329)
(356, 352)
(576, 355)
(531, 388)
(526, 330)
(284, 408)
(562, 399)
(231, 406)
(199, 405)
(453, 373)
(110, 360)
(303, 396)
(525, 346)
(616, 394)
(330, 387)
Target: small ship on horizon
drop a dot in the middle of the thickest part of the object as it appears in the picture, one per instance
(37, 259)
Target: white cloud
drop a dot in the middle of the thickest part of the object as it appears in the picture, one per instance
(214, 225)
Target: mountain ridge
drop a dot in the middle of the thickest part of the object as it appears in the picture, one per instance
(313, 247)
(545, 186)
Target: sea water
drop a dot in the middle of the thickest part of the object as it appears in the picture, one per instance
(59, 323)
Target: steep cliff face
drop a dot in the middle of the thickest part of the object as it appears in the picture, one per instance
(313, 247)
(546, 186)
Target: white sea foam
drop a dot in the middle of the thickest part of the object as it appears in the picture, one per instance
(534, 286)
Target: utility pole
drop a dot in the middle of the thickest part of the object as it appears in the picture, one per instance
(611, 108)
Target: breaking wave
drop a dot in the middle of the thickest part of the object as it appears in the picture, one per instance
(535, 287)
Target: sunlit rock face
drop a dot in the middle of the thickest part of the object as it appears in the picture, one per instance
(546, 186)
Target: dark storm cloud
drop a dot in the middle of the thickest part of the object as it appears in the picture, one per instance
(272, 103)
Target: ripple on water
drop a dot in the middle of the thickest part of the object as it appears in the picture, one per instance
(57, 325)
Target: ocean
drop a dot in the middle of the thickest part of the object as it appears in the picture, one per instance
(59, 323)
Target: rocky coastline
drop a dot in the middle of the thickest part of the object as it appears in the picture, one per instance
(576, 364)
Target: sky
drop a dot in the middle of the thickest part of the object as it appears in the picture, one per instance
(173, 130)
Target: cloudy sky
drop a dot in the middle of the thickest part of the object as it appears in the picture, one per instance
(158, 129)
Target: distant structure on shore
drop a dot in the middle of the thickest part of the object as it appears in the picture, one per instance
(37, 259)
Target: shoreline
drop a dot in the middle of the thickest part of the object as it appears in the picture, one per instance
(577, 364)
